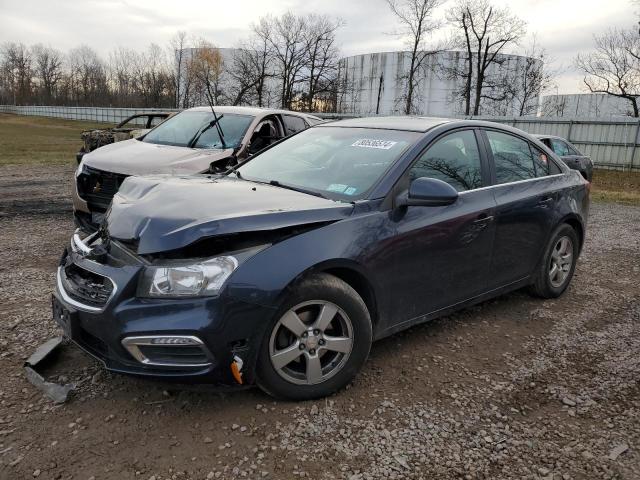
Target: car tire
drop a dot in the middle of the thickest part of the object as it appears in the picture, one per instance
(553, 275)
(328, 323)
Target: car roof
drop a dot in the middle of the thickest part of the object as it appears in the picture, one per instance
(255, 111)
(543, 135)
(414, 124)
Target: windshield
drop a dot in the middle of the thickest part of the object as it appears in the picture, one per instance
(339, 163)
(183, 129)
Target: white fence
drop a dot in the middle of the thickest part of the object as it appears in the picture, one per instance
(610, 143)
(90, 114)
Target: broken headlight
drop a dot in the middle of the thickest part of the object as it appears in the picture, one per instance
(202, 279)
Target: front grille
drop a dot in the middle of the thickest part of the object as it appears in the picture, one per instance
(98, 187)
(174, 355)
(86, 287)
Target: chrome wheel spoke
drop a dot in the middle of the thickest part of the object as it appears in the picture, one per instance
(293, 323)
(282, 358)
(299, 333)
(337, 344)
(314, 369)
(561, 261)
(327, 313)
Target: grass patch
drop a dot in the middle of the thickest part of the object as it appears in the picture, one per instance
(616, 186)
(27, 140)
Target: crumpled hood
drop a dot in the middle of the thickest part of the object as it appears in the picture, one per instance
(134, 157)
(163, 212)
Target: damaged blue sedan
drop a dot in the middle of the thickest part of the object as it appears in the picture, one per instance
(283, 270)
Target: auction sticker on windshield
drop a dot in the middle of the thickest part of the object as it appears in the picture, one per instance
(372, 143)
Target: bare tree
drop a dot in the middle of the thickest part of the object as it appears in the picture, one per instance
(206, 68)
(87, 76)
(17, 70)
(322, 57)
(530, 80)
(286, 36)
(614, 66)
(252, 67)
(122, 65)
(48, 70)
(177, 46)
(484, 31)
(417, 26)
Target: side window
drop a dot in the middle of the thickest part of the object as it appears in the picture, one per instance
(573, 150)
(540, 162)
(293, 124)
(512, 157)
(454, 159)
(560, 147)
(155, 121)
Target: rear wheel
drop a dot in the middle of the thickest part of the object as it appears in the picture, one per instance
(318, 341)
(558, 264)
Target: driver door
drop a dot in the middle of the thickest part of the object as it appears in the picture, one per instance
(442, 255)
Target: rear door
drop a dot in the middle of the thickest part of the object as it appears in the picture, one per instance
(526, 190)
(441, 255)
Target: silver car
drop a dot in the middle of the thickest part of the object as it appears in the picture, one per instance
(187, 143)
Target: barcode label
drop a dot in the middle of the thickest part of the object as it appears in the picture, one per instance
(372, 143)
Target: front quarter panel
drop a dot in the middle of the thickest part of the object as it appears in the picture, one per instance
(361, 243)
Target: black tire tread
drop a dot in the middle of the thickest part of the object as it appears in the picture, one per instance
(541, 286)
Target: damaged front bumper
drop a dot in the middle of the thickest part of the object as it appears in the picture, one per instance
(207, 340)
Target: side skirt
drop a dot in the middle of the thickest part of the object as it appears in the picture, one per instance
(454, 308)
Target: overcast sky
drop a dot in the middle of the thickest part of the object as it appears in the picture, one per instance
(563, 27)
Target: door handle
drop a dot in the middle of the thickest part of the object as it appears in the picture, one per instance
(545, 201)
(483, 218)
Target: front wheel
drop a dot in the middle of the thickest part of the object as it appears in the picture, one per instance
(554, 273)
(318, 341)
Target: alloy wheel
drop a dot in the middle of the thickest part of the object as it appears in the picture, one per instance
(561, 261)
(311, 342)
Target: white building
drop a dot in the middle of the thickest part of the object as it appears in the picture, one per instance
(376, 82)
(225, 86)
(585, 105)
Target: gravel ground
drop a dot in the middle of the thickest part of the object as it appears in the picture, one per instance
(514, 388)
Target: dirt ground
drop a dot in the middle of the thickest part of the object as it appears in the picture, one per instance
(514, 388)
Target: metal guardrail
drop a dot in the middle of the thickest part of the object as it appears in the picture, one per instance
(610, 143)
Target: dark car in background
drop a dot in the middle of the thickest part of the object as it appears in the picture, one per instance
(188, 142)
(283, 271)
(569, 154)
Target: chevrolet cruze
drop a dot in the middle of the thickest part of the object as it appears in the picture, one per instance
(281, 271)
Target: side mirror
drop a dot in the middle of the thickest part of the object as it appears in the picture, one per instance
(223, 164)
(429, 192)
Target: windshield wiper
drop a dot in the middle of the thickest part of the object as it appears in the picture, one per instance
(203, 129)
(276, 183)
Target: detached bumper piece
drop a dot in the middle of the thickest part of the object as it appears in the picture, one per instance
(56, 392)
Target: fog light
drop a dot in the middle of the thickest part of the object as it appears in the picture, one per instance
(169, 350)
(175, 341)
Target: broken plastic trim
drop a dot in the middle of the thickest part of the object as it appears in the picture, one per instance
(56, 392)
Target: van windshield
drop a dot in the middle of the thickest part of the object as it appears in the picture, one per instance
(194, 129)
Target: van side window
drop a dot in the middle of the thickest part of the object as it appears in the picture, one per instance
(293, 124)
(512, 157)
(454, 159)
